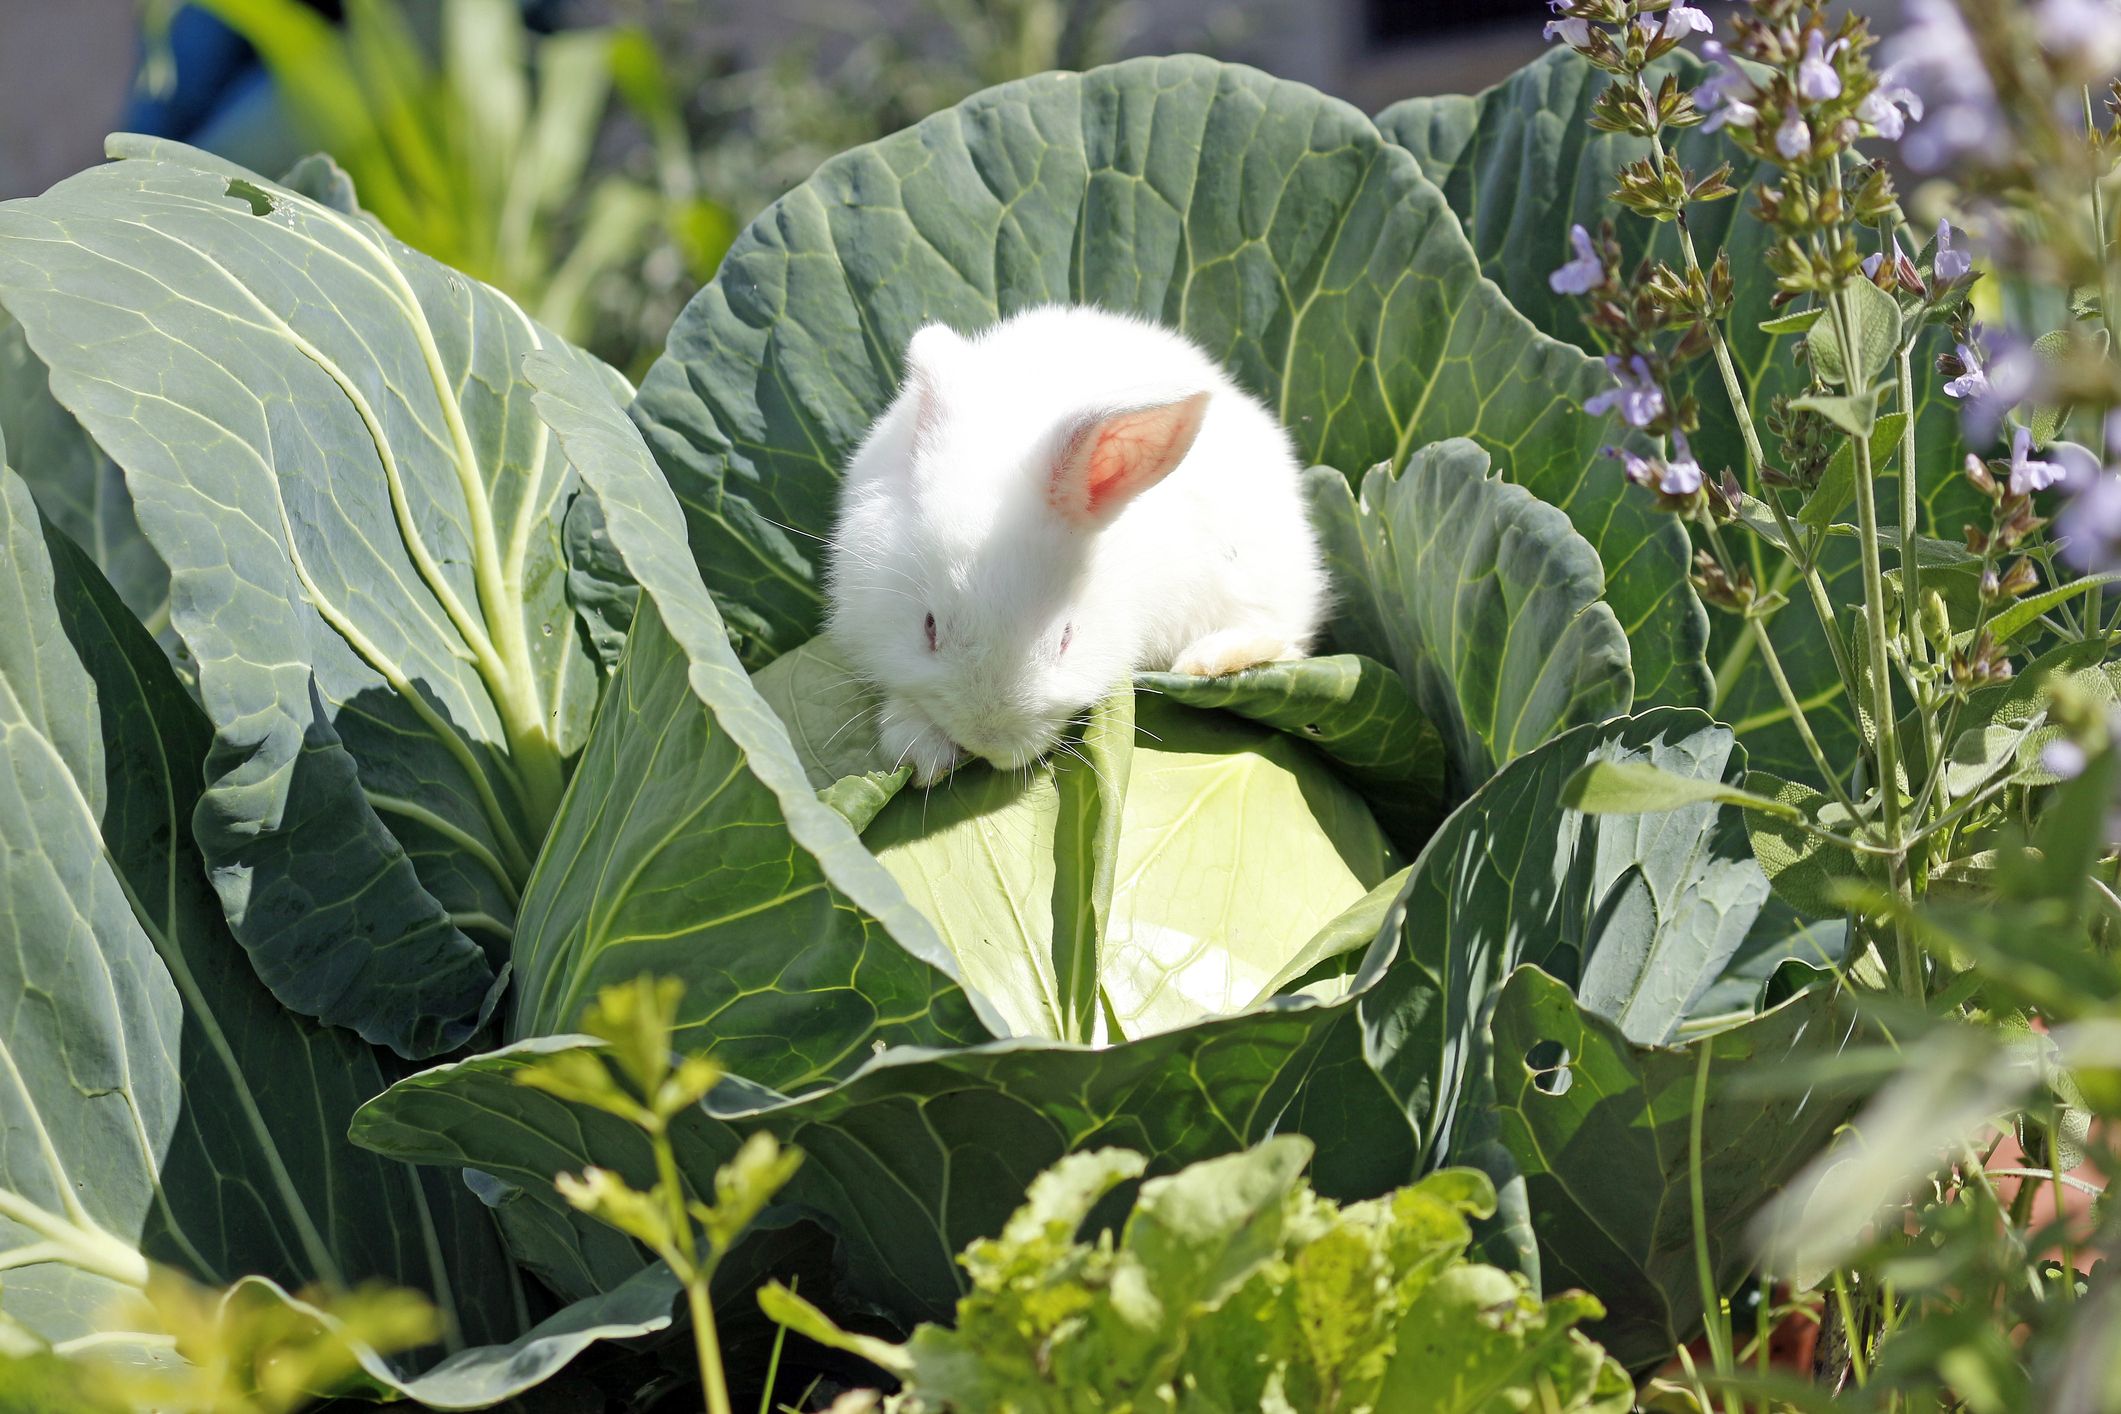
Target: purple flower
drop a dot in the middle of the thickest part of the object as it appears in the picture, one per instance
(2001, 371)
(1934, 38)
(1816, 77)
(2063, 757)
(1576, 33)
(1794, 138)
(1640, 400)
(1686, 19)
(1640, 469)
(1973, 383)
(1722, 96)
(1903, 269)
(1583, 274)
(1735, 112)
(2088, 526)
(1682, 474)
(1890, 106)
(1952, 265)
(1934, 56)
(2027, 475)
(2085, 33)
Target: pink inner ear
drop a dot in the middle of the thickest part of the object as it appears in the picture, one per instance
(1117, 458)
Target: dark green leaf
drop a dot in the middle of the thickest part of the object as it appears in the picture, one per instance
(162, 1106)
(1596, 1126)
(1649, 910)
(1837, 487)
(326, 440)
(602, 593)
(1808, 873)
(76, 486)
(1872, 319)
(1854, 413)
(919, 1152)
(1484, 599)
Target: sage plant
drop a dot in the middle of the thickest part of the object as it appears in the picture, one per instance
(1817, 115)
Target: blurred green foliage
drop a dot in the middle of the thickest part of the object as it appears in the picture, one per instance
(598, 174)
(479, 145)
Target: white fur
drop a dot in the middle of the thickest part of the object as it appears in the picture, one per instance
(949, 508)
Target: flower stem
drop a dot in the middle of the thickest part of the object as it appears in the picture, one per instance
(2103, 243)
(1713, 1315)
(704, 1336)
(1741, 410)
(1772, 661)
(1910, 561)
(1879, 666)
(695, 1274)
(1803, 724)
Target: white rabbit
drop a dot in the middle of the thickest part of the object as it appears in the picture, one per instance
(1049, 506)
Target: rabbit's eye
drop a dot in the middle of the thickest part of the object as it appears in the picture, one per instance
(1067, 637)
(929, 625)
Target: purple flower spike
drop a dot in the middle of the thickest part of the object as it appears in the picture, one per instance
(1640, 400)
(1583, 274)
(1794, 138)
(1816, 77)
(1952, 265)
(2028, 475)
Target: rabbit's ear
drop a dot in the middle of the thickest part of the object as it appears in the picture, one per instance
(930, 354)
(1108, 458)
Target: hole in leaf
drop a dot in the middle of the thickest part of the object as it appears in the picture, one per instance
(1548, 1061)
(259, 200)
